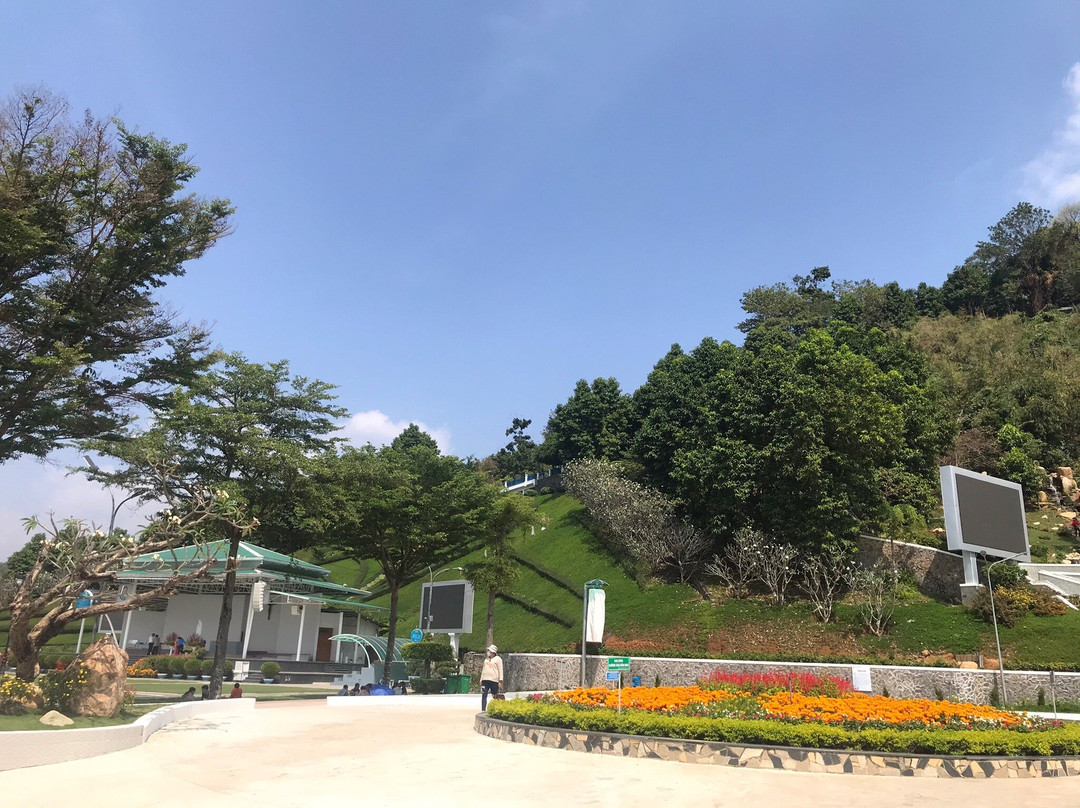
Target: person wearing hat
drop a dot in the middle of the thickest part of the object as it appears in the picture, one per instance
(491, 677)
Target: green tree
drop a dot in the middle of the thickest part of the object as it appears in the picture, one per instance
(595, 422)
(74, 557)
(405, 509)
(519, 456)
(790, 440)
(512, 514)
(250, 430)
(413, 436)
(93, 220)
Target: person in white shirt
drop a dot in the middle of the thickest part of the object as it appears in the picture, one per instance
(491, 676)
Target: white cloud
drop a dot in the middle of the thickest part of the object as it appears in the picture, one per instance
(30, 487)
(1053, 178)
(377, 428)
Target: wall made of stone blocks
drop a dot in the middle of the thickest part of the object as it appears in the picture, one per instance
(938, 573)
(544, 672)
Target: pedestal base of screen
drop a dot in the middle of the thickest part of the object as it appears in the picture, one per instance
(971, 586)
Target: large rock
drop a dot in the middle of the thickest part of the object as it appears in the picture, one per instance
(1068, 485)
(1065, 472)
(55, 719)
(104, 691)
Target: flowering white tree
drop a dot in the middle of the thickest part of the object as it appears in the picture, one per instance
(825, 575)
(736, 566)
(75, 557)
(639, 521)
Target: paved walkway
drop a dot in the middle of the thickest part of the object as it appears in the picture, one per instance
(422, 751)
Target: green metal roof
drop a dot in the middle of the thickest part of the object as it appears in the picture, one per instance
(253, 563)
(248, 556)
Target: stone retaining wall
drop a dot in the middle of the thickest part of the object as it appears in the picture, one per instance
(938, 573)
(543, 672)
(776, 757)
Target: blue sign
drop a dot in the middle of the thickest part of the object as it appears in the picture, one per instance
(85, 598)
(416, 635)
(613, 676)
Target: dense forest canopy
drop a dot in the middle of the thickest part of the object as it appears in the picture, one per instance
(844, 398)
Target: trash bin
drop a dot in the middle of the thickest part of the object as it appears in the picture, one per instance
(457, 683)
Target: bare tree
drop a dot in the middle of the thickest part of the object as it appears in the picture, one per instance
(76, 556)
(776, 568)
(878, 590)
(825, 576)
(736, 566)
(679, 547)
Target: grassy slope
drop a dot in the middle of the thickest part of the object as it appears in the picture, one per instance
(673, 619)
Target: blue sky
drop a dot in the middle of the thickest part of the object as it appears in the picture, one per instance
(455, 211)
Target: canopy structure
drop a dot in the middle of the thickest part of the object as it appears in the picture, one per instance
(372, 644)
(284, 574)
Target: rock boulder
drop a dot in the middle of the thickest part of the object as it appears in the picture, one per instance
(55, 719)
(104, 691)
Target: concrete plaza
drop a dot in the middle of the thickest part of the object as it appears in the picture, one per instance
(422, 751)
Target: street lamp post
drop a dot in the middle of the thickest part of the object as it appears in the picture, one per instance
(114, 506)
(993, 613)
(595, 583)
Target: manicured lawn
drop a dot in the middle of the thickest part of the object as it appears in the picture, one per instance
(31, 721)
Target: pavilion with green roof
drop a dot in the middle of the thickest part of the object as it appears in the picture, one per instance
(283, 608)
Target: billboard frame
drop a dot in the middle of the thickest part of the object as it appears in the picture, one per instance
(954, 533)
(466, 623)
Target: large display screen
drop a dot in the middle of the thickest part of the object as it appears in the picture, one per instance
(446, 607)
(984, 514)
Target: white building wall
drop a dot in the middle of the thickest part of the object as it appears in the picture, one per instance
(185, 612)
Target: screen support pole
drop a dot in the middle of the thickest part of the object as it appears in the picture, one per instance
(971, 577)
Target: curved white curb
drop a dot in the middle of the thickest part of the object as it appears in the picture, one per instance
(22, 748)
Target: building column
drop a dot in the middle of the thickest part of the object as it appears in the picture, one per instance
(337, 643)
(247, 627)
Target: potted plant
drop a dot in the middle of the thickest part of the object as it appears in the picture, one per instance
(159, 665)
(207, 668)
(228, 672)
(176, 666)
(270, 670)
(193, 667)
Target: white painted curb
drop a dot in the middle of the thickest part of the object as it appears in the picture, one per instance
(23, 748)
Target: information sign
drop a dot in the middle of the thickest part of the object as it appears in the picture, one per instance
(416, 635)
(613, 676)
(618, 663)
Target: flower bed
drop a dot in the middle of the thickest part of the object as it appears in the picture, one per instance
(1063, 740)
(806, 711)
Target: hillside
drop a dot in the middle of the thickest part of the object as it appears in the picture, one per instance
(672, 619)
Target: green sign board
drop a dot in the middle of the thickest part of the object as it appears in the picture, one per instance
(618, 663)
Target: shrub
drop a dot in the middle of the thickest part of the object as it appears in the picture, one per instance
(207, 666)
(59, 687)
(1008, 575)
(529, 492)
(546, 490)
(422, 686)
(15, 691)
(270, 670)
(176, 665)
(427, 651)
(1063, 740)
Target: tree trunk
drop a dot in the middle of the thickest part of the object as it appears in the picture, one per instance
(391, 634)
(491, 618)
(25, 652)
(221, 646)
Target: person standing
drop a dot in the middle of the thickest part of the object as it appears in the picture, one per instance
(491, 676)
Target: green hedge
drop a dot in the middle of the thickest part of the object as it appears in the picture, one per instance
(1064, 741)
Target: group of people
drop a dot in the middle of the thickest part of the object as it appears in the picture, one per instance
(153, 645)
(357, 690)
(237, 692)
